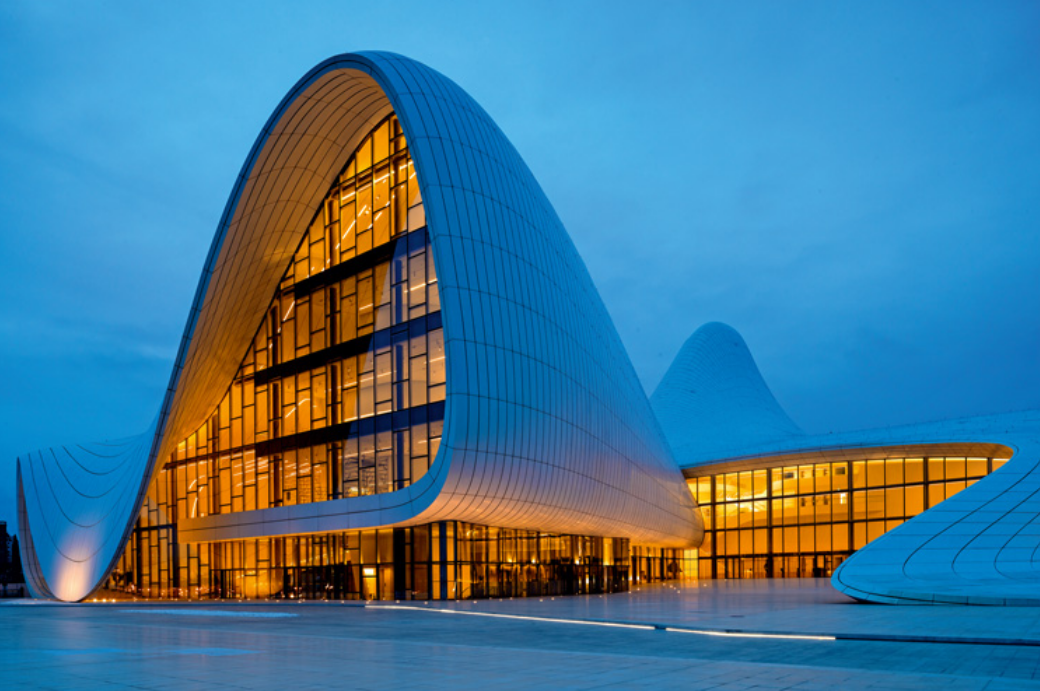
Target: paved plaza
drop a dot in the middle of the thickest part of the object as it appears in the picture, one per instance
(715, 635)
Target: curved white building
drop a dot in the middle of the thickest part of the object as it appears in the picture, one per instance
(943, 512)
(713, 401)
(397, 381)
(395, 359)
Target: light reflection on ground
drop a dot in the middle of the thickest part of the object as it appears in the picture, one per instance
(314, 645)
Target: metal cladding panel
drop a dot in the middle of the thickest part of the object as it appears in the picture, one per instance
(546, 424)
(980, 546)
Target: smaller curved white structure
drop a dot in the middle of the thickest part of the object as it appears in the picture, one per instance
(980, 546)
(77, 499)
(713, 401)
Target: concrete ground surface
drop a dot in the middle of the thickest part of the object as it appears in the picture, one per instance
(543, 643)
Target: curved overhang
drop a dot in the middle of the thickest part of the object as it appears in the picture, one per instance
(546, 424)
(839, 453)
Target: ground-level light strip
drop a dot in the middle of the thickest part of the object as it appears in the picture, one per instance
(610, 624)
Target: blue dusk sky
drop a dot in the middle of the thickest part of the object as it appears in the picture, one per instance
(855, 187)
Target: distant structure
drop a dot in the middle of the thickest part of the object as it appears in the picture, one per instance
(5, 552)
(11, 581)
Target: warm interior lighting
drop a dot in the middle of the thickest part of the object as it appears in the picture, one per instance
(219, 469)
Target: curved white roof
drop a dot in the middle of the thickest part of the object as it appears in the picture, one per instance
(546, 424)
(713, 402)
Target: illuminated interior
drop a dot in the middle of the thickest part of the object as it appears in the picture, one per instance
(790, 521)
(341, 394)
(449, 560)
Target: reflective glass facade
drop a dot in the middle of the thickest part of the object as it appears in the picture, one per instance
(791, 521)
(446, 560)
(341, 394)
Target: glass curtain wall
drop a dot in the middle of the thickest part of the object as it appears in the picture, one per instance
(804, 520)
(651, 564)
(447, 560)
(340, 394)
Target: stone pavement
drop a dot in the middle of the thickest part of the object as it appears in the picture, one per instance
(162, 645)
(792, 606)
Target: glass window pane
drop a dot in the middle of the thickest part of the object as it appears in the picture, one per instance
(381, 142)
(840, 537)
(894, 471)
(913, 470)
(859, 474)
(841, 476)
(936, 493)
(823, 508)
(840, 506)
(364, 207)
(977, 467)
(806, 538)
(893, 502)
(823, 477)
(875, 473)
(954, 468)
(859, 535)
(805, 479)
(936, 469)
(745, 485)
(914, 500)
(363, 157)
(823, 538)
(876, 503)
(761, 542)
(806, 509)
(704, 490)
